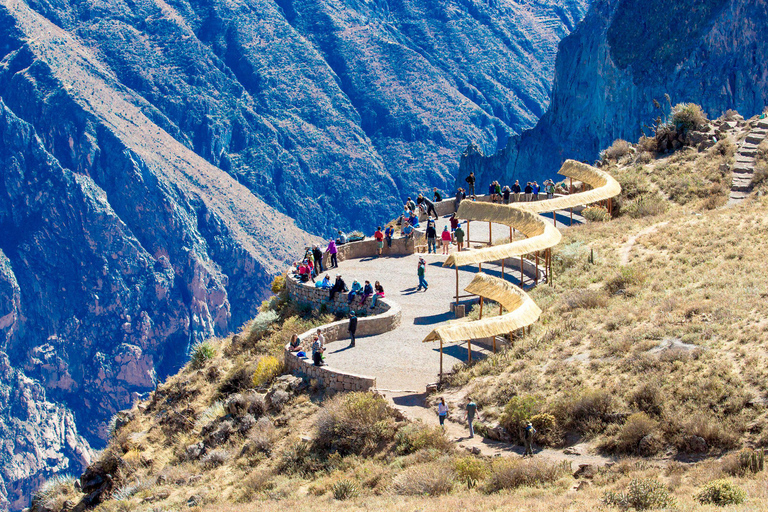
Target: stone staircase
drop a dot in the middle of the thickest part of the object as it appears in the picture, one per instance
(744, 168)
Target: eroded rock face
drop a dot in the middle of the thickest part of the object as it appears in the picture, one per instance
(625, 54)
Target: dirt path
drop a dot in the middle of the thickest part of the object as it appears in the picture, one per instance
(627, 247)
(413, 407)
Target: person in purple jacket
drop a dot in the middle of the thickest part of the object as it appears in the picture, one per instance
(332, 250)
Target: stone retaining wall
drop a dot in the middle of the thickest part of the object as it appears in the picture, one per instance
(385, 317)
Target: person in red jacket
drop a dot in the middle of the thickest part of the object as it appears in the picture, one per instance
(446, 237)
(379, 236)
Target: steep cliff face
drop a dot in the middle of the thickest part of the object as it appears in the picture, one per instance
(625, 54)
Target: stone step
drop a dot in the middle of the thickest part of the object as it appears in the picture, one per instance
(755, 138)
(748, 152)
(739, 184)
(738, 194)
(763, 123)
(743, 160)
(743, 169)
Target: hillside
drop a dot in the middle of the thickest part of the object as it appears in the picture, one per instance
(624, 56)
(649, 357)
(161, 162)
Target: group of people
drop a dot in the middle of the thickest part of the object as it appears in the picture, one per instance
(446, 237)
(357, 291)
(506, 194)
(311, 265)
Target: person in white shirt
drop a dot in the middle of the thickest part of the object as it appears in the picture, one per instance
(442, 412)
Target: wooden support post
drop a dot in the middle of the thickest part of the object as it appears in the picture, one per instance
(469, 240)
(554, 218)
(522, 274)
(494, 344)
(490, 233)
(502, 269)
(510, 233)
(481, 309)
(536, 277)
(570, 188)
(571, 223)
(469, 351)
(441, 359)
(457, 284)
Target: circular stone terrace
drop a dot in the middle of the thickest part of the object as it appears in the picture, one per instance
(398, 359)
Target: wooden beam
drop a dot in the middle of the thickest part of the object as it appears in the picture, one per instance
(522, 274)
(490, 233)
(571, 223)
(494, 344)
(570, 188)
(554, 217)
(536, 277)
(469, 351)
(457, 284)
(468, 239)
(502, 269)
(441, 359)
(481, 309)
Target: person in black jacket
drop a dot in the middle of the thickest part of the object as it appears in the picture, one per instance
(471, 184)
(352, 328)
(318, 255)
(431, 237)
(338, 287)
(516, 190)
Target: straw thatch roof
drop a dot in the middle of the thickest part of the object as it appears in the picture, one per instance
(603, 187)
(541, 235)
(522, 312)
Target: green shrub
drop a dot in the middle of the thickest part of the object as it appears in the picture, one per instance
(267, 369)
(418, 436)
(745, 462)
(617, 150)
(533, 472)
(624, 279)
(518, 411)
(202, 352)
(628, 438)
(646, 205)
(585, 411)
(721, 493)
(345, 489)
(354, 423)
(596, 214)
(688, 117)
(470, 470)
(278, 284)
(584, 298)
(546, 429)
(641, 494)
(300, 458)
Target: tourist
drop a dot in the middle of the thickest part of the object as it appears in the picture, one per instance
(295, 345)
(388, 234)
(469, 415)
(407, 230)
(352, 328)
(332, 250)
(454, 224)
(325, 284)
(471, 184)
(367, 292)
(410, 205)
(421, 271)
(342, 239)
(528, 191)
(446, 236)
(437, 195)
(492, 191)
(442, 412)
(431, 237)
(459, 234)
(549, 188)
(378, 293)
(318, 347)
(506, 191)
(414, 220)
(497, 191)
(338, 287)
(535, 188)
(528, 434)
(303, 272)
(354, 291)
(426, 205)
(318, 255)
(379, 236)
(516, 190)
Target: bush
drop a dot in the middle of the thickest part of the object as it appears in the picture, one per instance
(355, 423)
(345, 489)
(584, 298)
(470, 470)
(518, 411)
(647, 205)
(202, 352)
(424, 480)
(586, 411)
(54, 490)
(642, 494)
(417, 436)
(215, 458)
(628, 438)
(721, 493)
(300, 458)
(267, 369)
(278, 284)
(617, 150)
(546, 429)
(624, 279)
(596, 214)
(745, 462)
(688, 117)
(514, 473)
(647, 398)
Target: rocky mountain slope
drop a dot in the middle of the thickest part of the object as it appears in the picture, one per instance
(625, 54)
(146, 146)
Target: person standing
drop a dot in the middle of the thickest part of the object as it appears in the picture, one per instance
(459, 234)
(431, 233)
(318, 255)
(471, 184)
(469, 415)
(442, 411)
(421, 271)
(528, 434)
(379, 236)
(352, 328)
(506, 191)
(454, 223)
(332, 250)
(388, 234)
(459, 194)
(516, 190)
(429, 207)
(549, 187)
(437, 195)
(536, 189)
(318, 347)
(528, 191)
(446, 238)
